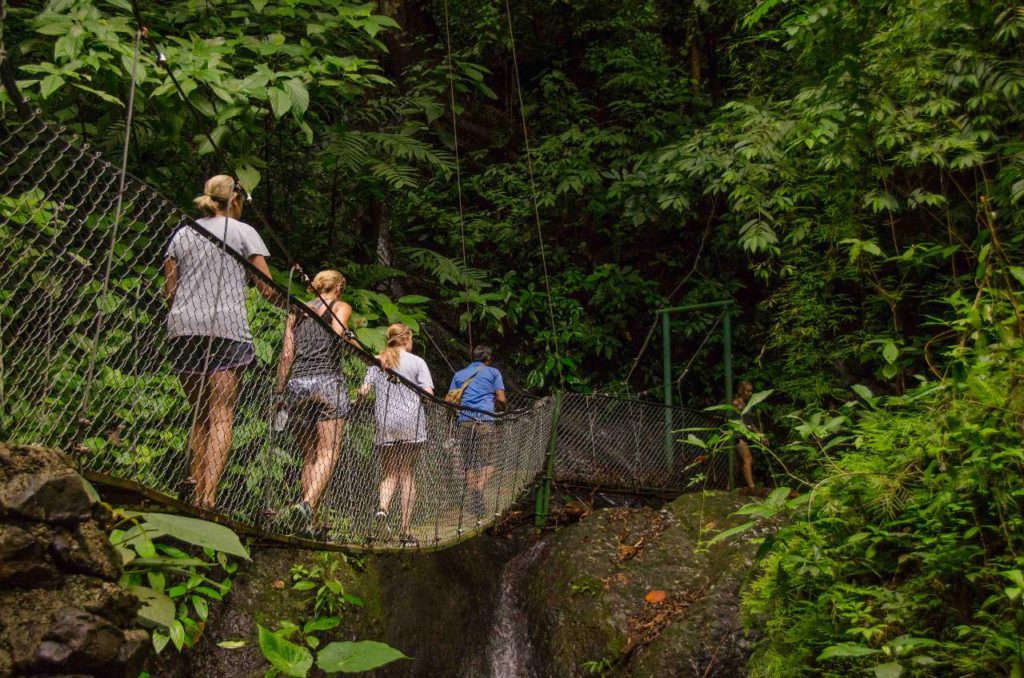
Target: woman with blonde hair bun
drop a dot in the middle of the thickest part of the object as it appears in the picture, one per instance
(310, 384)
(401, 423)
(209, 337)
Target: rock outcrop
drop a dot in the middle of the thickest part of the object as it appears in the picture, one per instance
(61, 610)
(638, 592)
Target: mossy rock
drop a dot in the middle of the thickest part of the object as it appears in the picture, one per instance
(263, 594)
(638, 591)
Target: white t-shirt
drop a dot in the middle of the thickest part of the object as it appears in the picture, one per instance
(210, 296)
(399, 412)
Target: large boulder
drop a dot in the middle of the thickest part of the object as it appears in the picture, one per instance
(638, 591)
(61, 610)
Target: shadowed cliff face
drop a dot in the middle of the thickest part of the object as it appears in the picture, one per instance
(438, 608)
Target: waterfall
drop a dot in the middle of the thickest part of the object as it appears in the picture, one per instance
(509, 649)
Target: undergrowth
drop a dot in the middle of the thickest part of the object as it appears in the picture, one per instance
(908, 558)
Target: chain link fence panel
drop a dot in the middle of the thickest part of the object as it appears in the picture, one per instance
(181, 398)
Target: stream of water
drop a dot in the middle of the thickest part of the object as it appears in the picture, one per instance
(510, 649)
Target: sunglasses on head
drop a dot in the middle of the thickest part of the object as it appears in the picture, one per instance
(238, 190)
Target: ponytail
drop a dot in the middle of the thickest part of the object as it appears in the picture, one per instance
(217, 194)
(396, 337)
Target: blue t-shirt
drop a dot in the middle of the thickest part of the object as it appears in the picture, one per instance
(480, 393)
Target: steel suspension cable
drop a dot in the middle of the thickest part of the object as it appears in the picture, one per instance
(90, 371)
(533, 194)
(458, 175)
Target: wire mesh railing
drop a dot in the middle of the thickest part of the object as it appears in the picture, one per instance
(92, 361)
(633, 445)
(185, 398)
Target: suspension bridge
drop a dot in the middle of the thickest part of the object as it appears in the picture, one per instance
(86, 366)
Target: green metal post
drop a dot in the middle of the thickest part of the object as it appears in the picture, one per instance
(666, 359)
(727, 360)
(540, 515)
(666, 375)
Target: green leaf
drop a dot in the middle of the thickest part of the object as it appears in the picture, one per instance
(846, 650)
(299, 95)
(177, 632)
(171, 562)
(757, 398)
(156, 608)
(200, 606)
(304, 585)
(284, 655)
(889, 670)
(890, 352)
(865, 393)
(349, 657)
(280, 101)
(50, 84)
(321, 624)
(413, 299)
(1018, 273)
(232, 644)
(695, 441)
(160, 641)
(198, 532)
(725, 534)
(248, 176)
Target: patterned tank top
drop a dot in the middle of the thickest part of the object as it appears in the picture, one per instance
(318, 350)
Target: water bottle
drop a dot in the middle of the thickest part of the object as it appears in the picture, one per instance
(280, 422)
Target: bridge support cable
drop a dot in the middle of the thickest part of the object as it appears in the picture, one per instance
(57, 214)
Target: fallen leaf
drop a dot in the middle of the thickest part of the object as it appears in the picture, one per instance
(278, 584)
(654, 597)
(710, 526)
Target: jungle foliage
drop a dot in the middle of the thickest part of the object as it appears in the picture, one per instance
(850, 172)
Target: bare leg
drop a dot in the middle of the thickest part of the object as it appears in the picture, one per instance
(317, 470)
(485, 476)
(388, 484)
(223, 394)
(407, 479)
(306, 439)
(197, 392)
(746, 462)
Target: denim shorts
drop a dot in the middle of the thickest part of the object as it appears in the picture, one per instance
(204, 356)
(318, 398)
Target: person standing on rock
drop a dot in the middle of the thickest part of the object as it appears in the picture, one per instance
(483, 394)
(205, 285)
(743, 393)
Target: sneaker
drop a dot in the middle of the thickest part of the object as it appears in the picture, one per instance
(407, 539)
(476, 504)
(302, 514)
(381, 528)
(186, 491)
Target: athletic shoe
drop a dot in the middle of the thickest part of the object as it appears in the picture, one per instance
(476, 503)
(381, 529)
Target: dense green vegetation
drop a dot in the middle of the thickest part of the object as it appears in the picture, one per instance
(851, 172)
